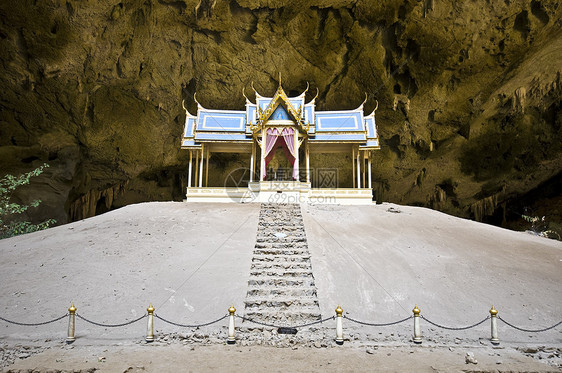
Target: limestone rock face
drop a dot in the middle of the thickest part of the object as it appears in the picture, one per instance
(469, 93)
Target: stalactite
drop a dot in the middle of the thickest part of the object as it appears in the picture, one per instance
(87, 205)
(438, 199)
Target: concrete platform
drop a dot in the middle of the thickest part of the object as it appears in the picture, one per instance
(280, 192)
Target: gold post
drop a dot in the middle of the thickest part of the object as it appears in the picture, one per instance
(339, 326)
(417, 330)
(494, 326)
(150, 326)
(71, 324)
(231, 337)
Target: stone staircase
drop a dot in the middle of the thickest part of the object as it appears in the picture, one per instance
(281, 289)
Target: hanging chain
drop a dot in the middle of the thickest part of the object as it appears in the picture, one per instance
(111, 325)
(34, 324)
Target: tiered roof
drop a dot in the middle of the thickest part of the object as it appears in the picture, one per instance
(343, 126)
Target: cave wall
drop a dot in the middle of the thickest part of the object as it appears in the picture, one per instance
(469, 92)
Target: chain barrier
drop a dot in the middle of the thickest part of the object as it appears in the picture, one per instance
(450, 328)
(277, 326)
(191, 326)
(34, 324)
(530, 330)
(373, 324)
(285, 326)
(111, 325)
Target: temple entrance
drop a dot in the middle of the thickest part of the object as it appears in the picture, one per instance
(279, 168)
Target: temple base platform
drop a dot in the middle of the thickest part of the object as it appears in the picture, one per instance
(281, 192)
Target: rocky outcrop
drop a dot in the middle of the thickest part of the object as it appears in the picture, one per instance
(468, 92)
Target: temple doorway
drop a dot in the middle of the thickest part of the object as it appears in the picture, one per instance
(280, 168)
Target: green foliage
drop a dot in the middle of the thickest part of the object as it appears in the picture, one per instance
(540, 227)
(10, 225)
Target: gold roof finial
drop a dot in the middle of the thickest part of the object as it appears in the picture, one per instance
(317, 92)
(279, 79)
(493, 311)
(366, 98)
(195, 99)
(72, 309)
(244, 94)
(253, 89)
(232, 310)
(416, 311)
(307, 86)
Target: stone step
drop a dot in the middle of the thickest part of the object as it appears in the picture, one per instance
(280, 292)
(272, 239)
(281, 245)
(281, 281)
(280, 234)
(281, 273)
(280, 302)
(287, 319)
(287, 251)
(281, 288)
(282, 258)
(288, 266)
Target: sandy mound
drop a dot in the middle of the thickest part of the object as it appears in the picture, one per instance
(192, 262)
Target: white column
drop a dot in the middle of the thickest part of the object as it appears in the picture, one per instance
(353, 165)
(201, 170)
(296, 165)
(252, 162)
(196, 167)
(307, 162)
(370, 182)
(207, 167)
(358, 171)
(190, 169)
(363, 171)
(263, 147)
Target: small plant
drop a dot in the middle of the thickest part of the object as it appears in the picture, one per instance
(9, 224)
(539, 226)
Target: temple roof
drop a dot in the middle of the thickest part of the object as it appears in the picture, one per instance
(338, 126)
